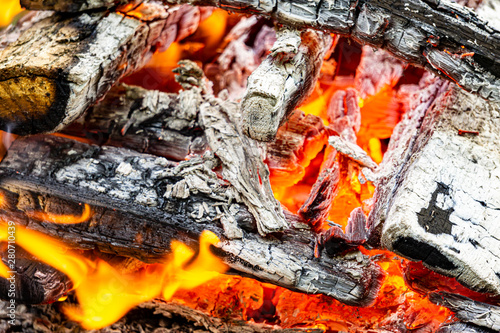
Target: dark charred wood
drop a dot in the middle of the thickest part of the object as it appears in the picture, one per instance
(149, 317)
(335, 241)
(63, 64)
(146, 121)
(34, 281)
(317, 206)
(469, 311)
(446, 38)
(141, 203)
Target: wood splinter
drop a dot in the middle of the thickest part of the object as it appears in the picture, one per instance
(283, 80)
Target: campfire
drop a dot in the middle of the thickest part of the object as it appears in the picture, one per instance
(249, 166)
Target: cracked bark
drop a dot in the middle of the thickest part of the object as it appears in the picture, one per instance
(436, 199)
(63, 64)
(446, 38)
(138, 216)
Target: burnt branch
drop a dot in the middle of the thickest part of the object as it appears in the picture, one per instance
(434, 199)
(141, 203)
(469, 311)
(282, 81)
(446, 38)
(63, 64)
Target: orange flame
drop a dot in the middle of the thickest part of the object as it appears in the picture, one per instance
(104, 294)
(62, 219)
(9, 9)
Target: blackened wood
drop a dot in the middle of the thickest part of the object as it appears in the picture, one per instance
(335, 241)
(146, 121)
(63, 64)
(438, 204)
(71, 6)
(141, 203)
(469, 311)
(35, 282)
(282, 81)
(316, 208)
(445, 37)
(460, 327)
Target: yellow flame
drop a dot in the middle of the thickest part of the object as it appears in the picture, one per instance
(62, 219)
(104, 294)
(8, 9)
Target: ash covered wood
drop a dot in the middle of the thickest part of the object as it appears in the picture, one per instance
(481, 314)
(439, 201)
(282, 81)
(463, 327)
(147, 121)
(71, 6)
(137, 215)
(63, 64)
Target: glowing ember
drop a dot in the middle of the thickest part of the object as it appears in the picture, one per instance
(62, 219)
(103, 293)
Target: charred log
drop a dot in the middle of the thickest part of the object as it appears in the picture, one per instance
(463, 327)
(469, 311)
(283, 80)
(62, 65)
(150, 317)
(445, 37)
(437, 204)
(141, 203)
(147, 121)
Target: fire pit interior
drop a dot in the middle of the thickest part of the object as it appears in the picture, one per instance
(250, 166)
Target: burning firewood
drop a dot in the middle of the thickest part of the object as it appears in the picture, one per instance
(448, 39)
(147, 121)
(141, 216)
(62, 65)
(469, 311)
(464, 328)
(282, 81)
(437, 199)
(188, 191)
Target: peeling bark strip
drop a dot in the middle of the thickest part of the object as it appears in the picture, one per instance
(60, 66)
(469, 311)
(442, 204)
(282, 81)
(142, 202)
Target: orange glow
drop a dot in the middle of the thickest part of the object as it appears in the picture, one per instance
(104, 294)
(62, 219)
(7, 139)
(8, 9)
(76, 138)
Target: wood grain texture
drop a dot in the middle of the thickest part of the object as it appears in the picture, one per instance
(442, 205)
(142, 202)
(282, 81)
(63, 64)
(450, 40)
(483, 315)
